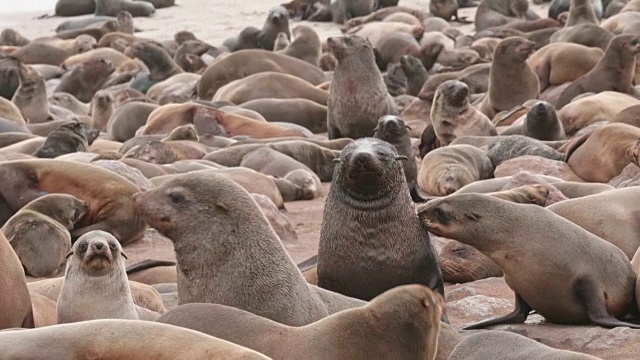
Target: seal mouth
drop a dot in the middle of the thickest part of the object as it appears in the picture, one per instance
(98, 261)
(525, 48)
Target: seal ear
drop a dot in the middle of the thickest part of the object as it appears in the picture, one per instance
(69, 254)
(124, 255)
(401, 157)
(408, 127)
(472, 216)
(336, 160)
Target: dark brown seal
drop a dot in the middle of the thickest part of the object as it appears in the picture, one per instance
(358, 96)
(393, 130)
(368, 185)
(113, 7)
(614, 72)
(277, 21)
(541, 123)
(86, 79)
(496, 228)
(68, 138)
(160, 64)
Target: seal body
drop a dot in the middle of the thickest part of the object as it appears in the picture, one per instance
(371, 239)
(357, 96)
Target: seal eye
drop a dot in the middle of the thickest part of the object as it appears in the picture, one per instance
(176, 198)
(83, 247)
(112, 246)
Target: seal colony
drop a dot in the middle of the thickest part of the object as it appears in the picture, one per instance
(406, 181)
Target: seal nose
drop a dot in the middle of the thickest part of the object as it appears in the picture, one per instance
(98, 246)
(362, 158)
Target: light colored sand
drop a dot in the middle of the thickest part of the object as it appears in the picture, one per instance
(211, 20)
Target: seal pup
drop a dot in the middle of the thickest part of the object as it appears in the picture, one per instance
(614, 72)
(541, 123)
(513, 146)
(453, 116)
(445, 170)
(595, 284)
(119, 339)
(84, 80)
(15, 304)
(233, 232)
(39, 232)
(306, 45)
(393, 130)
(68, 138)
(344, 10)
(371, 239)
(31, 96)
(277, 22)
(358, 96)
(95, 282)
(385, 319)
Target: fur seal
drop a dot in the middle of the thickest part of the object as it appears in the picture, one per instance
(305, 46)
(114, 7)
(167, 152)
(352, 113)
(102, 107)
(159, 62)
(69, 102)
(541, 123)
(39, 232)
(277, 22)
(95, 282)
(557, 63)
(493, 13)
(513, 146)
(487, 223)
(112, 211)
(303, 112)
(512, 82)
(614, 72)
(67, 138)
(446, 9)
(31, 96)
(127, 119)
(393, 130)
(279, 165)
(15, 305)
(86, 79)
(281, 42)
(453, 116)
(278, 291)
(507, 345)
(248, 62)
(462, 263)
(415, 72)
(445, 170)
(67, 341)
(368, 185)
(412, 307)
(344, 10)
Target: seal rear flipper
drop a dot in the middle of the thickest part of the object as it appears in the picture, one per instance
(588, 291)
(415, 195)
(517, 316)
(148, 264)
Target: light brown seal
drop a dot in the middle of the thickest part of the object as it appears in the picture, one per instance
(31, 96)
(111, 210)
(602, 154)
(15, 305)
(614, 72)
(369, 185)
(102, 107)
(39, 232)
(358, 96)
(127, 119)
(412, 307)
(493, 225)
(445, 170)
(277, 291)
(305, 46)
(512, 82)
(558, 63)
(303, 112)
(66, 341)
(95, 283)
(492, 13)
(453, 116)
(248, 62)
(611, 215)
(69, 102)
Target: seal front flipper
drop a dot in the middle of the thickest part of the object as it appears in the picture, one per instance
(587, 290)
(415, 195)
(517, 316)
